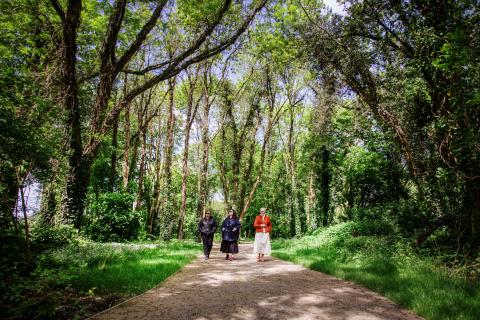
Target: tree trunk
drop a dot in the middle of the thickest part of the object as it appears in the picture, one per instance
(8, 198)
(141, 169)
(157, 183)
(246, 179)
(132, 171)
(472, 204)
(183, 205)
(113, 160)
(126, 154)
(312, 222)
(325, 186)
(76, 185)
(49, 203)
(191, 112)
(203, 178)
(28, 253)
(271, 121)
(223, 175)
(295, 204)
(77, 190)
(291, 163)
(166, 205)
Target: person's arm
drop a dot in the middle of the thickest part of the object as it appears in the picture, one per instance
(214, 225)
(269, 225)
(256, 223)
(200, 226)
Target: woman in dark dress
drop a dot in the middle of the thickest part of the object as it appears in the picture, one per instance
(230, 232)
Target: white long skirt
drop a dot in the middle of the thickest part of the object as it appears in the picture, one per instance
(262, 243)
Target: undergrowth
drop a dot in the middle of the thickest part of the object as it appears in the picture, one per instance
(387, 264)
(86, 277)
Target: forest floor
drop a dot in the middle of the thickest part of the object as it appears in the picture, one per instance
(246, 289)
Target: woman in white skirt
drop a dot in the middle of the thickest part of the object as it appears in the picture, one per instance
(263, 227)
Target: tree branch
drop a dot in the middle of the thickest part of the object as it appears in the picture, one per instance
(141, 36)
(110, 40)
(174, 67)
(58, 8)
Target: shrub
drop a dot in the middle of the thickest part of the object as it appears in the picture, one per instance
(44, 237)
(111, 218)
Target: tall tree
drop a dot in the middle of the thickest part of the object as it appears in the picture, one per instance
(112, 61)
(192, 107)
(405, 61)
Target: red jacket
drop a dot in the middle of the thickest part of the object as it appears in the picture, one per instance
(259, 220)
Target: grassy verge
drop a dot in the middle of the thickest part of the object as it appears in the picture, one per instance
(386, 266)
(82, 279)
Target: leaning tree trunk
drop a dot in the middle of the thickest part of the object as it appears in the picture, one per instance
(157, 182)
(295, 208)
(222, 168)
(141, 169)
(191, 112)
(28, 252)
(165, 211)
(142, 132)
(203, 177)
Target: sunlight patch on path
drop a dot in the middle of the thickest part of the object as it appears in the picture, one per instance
(244, 289)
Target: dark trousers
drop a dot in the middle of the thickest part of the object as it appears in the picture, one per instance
(207, 240)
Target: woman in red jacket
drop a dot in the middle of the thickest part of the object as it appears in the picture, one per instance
(263, 227)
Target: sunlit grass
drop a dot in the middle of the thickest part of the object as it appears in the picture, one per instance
(135, 271)
(418, 284)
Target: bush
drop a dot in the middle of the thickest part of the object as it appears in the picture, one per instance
(111, 218)
(405, 216)
(45, 237)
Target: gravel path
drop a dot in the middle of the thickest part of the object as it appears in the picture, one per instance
(245, 289)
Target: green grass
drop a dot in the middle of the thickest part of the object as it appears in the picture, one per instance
(122, 269)
(388, 267)
(85, 277)
(135, 271)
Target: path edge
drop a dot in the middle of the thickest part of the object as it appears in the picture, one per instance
(141, 294)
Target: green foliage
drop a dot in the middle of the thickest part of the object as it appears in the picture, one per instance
(368, 177)
(387, 265)
(423, 88)
(45, 237)
(85, 277)
(101, 169)
(111, 218)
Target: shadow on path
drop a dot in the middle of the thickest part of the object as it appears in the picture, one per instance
(245, 289)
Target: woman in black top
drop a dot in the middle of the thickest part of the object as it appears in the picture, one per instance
(230, 232)
(207, 227)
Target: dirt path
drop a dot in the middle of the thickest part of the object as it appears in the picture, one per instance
(245, 289)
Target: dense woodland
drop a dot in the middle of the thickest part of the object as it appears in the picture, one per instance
(137, 116)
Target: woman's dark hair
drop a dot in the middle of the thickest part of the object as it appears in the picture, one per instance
(234, 213)
(209, 212)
